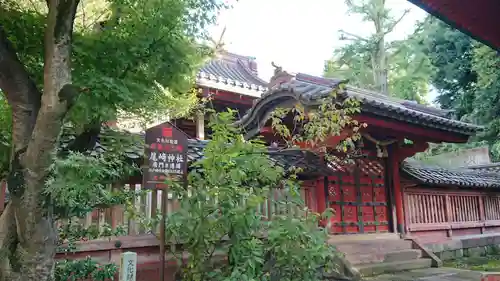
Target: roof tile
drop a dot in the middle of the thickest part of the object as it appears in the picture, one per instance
(308, 162)
(438, 176)
(312, 165)
(310, 90)
(234, 73)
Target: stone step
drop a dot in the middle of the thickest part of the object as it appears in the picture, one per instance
(391, 267)
(361, 252)
(403, 255)
(363, 237)
(361, 246)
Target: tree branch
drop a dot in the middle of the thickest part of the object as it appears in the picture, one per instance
(345, 33)
(20, 90)
(395, 23)
(58, 92)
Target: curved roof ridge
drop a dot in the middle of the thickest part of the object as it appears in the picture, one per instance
(230, 55)
(385, 101)
(310, 90)
(232, 72)
(409, 104)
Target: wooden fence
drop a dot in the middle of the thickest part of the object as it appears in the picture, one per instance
(149, 206)
(457, 213)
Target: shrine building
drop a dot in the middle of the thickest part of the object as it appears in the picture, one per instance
(387, 207)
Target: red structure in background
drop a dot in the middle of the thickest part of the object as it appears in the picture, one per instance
(359, 198)
(441, 203)
(437, 206)
(367, 197)
(229, 81)
(381, 193)
(479, 18)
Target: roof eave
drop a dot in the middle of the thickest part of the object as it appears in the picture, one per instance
(468, 130)
(417, 173)
(229, 88)
(454, 24)
(286, 93)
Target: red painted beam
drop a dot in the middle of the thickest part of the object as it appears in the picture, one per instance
(232, 97)
(405, 152)
(410, 130)
(478, 18)
(329, 142)
(398, 194)
(267, 130)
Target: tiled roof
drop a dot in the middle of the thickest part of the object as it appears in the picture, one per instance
(234, 73)
(310, 90)
(438, 176)
(312, 165)
(493, 167)
(308, 162)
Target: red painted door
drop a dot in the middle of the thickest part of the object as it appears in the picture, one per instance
(359, 198)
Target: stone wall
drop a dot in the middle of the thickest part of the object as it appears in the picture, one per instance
(462, 158)
(466, 246)
(109, 251)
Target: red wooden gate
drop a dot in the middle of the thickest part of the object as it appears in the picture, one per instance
(359, 198)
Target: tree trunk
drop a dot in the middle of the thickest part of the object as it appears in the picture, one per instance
(379, 57)
(382, 67)
(28, 236)
(26, 259)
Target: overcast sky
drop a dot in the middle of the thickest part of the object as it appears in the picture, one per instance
(298, 35)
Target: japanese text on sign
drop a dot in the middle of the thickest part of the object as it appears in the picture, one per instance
(166, 151)
(166, 156)
(128, 266)
(130, 270)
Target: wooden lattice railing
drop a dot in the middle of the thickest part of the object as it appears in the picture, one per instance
(149, 205)
(434, 210)
(492, 208)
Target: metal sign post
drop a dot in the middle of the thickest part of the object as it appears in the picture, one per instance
(166, 158)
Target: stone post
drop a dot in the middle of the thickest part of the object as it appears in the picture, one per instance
(128, 266)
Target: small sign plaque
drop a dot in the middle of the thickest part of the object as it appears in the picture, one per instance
(166, 155)
(128, 266)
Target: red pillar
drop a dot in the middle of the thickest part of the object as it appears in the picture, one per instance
(321, 199)
(321, 196)
(396, 184)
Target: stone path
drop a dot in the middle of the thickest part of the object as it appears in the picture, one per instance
(435, 274)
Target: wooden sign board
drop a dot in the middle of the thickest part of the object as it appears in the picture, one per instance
(166, 155)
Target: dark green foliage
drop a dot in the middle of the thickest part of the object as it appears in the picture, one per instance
(133, 58)
(219, 217)
(142, 64)
(5, 135)
(451, 55)
(467, 77)
(86, 269)
(486, 106)
(83, 269)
